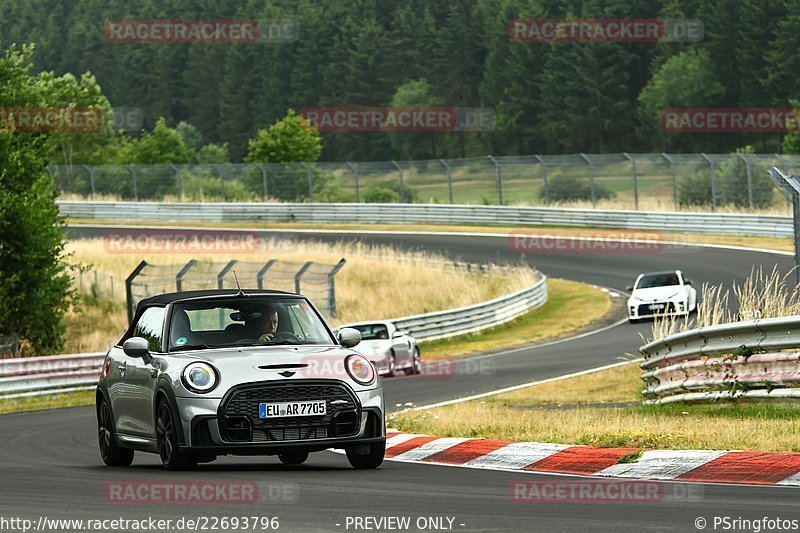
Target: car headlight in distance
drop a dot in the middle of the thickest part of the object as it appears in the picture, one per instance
(360, 369)
(200, 377)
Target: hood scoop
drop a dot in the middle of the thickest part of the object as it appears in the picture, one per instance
(283, 366)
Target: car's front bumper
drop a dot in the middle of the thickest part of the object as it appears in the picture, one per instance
(202, 432)
(639, 310)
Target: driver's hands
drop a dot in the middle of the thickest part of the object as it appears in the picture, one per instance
(266, 337)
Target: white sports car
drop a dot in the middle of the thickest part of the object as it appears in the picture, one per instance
(661, 294)
(388, 348)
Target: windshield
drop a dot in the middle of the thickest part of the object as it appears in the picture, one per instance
(245, 322)
(372, 332)
(658, 280)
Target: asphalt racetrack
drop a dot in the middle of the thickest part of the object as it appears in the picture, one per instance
(50, 465)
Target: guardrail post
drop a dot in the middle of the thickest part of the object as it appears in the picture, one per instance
(90, 170)
(499, 175)
(674, 183)
(310, 186)
(264, 181)
(132, 170)
(129, 290)
(263, 272)
(354, 168)
(449, 179)
(790, 186)
(635, 181)
(713, 181)
(178, 179)
(402, 185)
(331, 288)
(591, 178)
(299, 275)
(185, 270)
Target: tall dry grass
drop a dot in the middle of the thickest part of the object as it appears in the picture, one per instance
(377, 282)
(761, 295)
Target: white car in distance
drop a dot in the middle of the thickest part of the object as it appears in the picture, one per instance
(661, 294)
(390, 350)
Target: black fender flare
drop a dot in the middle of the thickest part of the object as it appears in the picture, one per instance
(163, 387)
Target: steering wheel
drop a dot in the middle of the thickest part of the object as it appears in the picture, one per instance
(285, 336)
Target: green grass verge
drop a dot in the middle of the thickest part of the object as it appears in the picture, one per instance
(38, 403)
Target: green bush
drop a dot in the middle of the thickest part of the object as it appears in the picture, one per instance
(569, 188)
(381, 195)
(198, 187)
(695, 189)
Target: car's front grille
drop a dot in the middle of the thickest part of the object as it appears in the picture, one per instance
(644, 309)
(240, 421)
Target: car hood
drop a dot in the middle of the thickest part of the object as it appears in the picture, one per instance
(657, 293)
(268, 363)
(372, 347)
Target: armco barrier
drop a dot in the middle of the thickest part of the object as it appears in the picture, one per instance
(741, 359)
(35, 376)
(717, 223)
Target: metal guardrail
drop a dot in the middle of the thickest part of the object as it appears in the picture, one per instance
(741, 359)
(716, 223)
(37, 376)
(472, 318)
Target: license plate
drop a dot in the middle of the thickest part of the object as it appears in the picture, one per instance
(657, 307)
(273, 410)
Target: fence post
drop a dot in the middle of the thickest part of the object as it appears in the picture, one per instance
(185, 270)
(310, 186)
(499, 176)
(129, 290)
(221, 180)
(132, 170)
(263, 272)
(224, 272)
(674, 183)
(713, 181)
(299, 275)
(332, 289)
(785, 171)
(264, 180)
(635, 181)
(179, 180)
(402, 185)
(591, 179)
(749, 168)
(790, 186)
(90, 170)
(111, 279)
(449, 179)
(354, 169)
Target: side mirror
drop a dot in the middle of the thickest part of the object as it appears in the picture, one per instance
(349, 337)
(137, 347)
(629, 288)
(400, 334)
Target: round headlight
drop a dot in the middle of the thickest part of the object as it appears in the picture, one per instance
(200, 377)
(360, 369)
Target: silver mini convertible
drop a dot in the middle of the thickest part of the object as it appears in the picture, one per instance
(207, 373)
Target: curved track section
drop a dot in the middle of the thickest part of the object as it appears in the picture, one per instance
(50, 464)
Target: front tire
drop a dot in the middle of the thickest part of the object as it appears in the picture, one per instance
(110, 451)
(366, 457)
(293, 457)
(167, 438)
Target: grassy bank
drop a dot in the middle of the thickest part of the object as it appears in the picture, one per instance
(572, 411)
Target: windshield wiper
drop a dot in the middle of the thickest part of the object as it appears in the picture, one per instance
(190, 347)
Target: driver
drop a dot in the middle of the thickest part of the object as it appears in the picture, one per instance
(268, 324)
